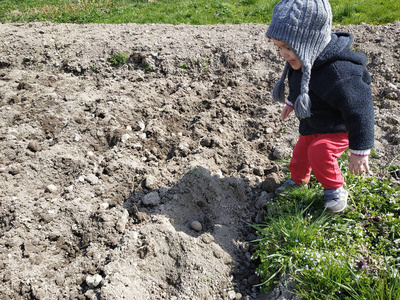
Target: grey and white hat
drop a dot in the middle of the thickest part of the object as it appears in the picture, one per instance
(305, 26)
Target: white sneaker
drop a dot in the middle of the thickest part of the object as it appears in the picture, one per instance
(336, 199)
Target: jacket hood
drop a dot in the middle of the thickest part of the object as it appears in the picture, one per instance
(339, 49)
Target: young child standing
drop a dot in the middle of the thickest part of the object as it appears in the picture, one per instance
(329, 91)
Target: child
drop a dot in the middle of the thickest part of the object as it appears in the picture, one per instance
(329, 90)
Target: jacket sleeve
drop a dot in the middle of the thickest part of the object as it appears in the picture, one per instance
(352, 96)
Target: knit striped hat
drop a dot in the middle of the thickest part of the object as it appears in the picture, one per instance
(305, 26)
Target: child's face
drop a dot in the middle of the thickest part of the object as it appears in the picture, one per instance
(288, 55)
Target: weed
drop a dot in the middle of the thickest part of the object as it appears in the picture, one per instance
(357, 48)
(94, 68)
(373, 153)
(118, 59)
(65, 61)
(201, 64)
(146, 68)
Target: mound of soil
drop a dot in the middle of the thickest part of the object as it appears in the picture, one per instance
(140, 181)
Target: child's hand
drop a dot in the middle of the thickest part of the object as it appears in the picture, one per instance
(286, 112)
(358, 164)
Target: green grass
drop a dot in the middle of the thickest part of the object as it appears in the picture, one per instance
(196, 12)
(352, 255)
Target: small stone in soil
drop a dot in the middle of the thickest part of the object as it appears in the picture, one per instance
(196, 226)
(51, 188)
(93, 281)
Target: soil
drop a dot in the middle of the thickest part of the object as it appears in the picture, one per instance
(140, 181)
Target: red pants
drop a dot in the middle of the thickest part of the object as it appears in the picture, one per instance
(319, 153)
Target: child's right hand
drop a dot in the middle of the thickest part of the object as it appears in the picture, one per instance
(358, 164)
(286, 111)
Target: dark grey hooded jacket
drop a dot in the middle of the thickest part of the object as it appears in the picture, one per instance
(340, 94)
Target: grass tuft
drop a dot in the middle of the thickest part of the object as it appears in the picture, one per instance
(118, 59)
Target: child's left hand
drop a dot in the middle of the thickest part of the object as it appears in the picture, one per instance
(358, 164)
(286, 112)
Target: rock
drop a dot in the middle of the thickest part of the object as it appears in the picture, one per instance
(89, 294)
(14, 170)
(251, 237)
(228, 260)
(248, 256)
(51, 188)
(125, 137)
(206, 141)
(122, 221)
(196, 226)
(150, 182)
(141, 216)
(60, 280)
(151, 199)
(140, 126)
(262, 200)
(281, 152)
(33, 146)
(38, 293)
(218, 253)
(77, 138)
(271, 183)
(207, 238)
(282, 291)
(253, 280)
(92, 179)
(93, 281)
(259, 171)
(232, 294)
(137, 146)
(392, 92)
(47, 217)
(104, 206)
(7, 276)
(163, 191)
